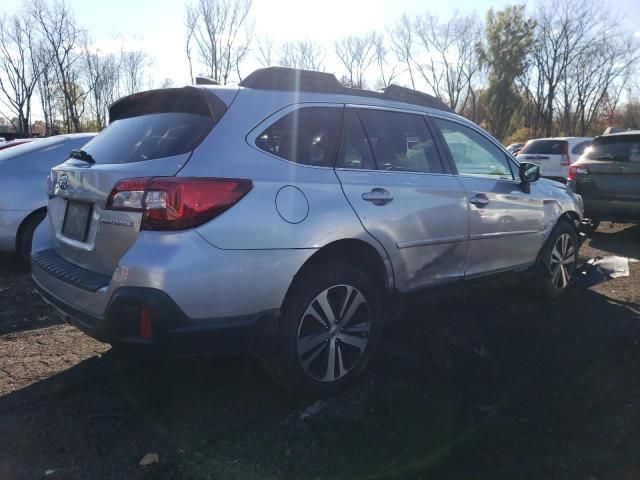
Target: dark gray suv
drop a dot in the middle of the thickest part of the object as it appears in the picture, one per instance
(607, 176)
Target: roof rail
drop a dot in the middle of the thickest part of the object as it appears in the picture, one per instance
(292, 79)
(206, 81)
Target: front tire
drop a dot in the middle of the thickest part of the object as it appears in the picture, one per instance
(557, 262)
(329, 330)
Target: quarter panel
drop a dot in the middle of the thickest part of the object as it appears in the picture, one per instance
(9, 223)
(204, 281)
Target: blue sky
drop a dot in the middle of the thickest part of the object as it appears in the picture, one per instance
(158, 26)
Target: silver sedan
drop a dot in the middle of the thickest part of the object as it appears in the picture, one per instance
(23, 196)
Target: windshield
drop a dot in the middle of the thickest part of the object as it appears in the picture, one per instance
(622, 148)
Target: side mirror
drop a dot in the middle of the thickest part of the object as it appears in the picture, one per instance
(529, 172)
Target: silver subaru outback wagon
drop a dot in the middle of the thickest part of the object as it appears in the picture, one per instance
(286, 217)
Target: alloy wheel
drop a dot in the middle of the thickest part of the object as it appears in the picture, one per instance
(333, 333)
(561, 263)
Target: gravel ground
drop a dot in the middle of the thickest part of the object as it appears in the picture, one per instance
(479, 383)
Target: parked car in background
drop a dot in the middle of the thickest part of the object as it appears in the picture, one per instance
(554, 155)
(2, 140)
(15, 143)
(287, 217)
(611, 130)
(23, 195)
(608, 178)
(514, 148)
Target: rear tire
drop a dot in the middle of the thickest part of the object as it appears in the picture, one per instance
(329, 331)
(25, 237)
(557, 262)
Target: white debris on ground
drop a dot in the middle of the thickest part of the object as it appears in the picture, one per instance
(613, 265)
(601, 269)
(313, 409)
(150, 458)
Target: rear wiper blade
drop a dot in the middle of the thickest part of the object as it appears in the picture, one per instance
(82, 155)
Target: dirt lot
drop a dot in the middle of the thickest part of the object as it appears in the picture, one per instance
(481, 383)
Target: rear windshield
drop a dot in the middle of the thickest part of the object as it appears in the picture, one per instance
(546, 147)
(617, 148)
(30, 147)
(147, 137)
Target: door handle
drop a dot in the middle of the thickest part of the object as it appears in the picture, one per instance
(378, 196)
(479, 200)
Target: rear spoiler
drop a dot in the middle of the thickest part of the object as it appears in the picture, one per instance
(188, 99)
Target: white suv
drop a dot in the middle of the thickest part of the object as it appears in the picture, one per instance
(554, 155)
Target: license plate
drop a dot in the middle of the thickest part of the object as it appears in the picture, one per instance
(76, 220)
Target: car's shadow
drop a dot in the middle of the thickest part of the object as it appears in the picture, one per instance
(619, 242)
(480, 383)
(20, 306)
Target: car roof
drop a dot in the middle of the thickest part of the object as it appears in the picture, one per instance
(621, 134)
(560, 138)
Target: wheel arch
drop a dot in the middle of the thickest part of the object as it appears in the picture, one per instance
(24, 223)
(356, 252)
(570, 217)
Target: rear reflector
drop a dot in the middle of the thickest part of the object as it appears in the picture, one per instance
(575, 170)
(175, 203)
(145, 330)
(565, 160)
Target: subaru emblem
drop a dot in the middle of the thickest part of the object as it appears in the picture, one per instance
(63, 183)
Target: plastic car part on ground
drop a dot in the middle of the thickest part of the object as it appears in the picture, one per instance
(600, 269)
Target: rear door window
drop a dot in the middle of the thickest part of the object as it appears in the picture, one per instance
(544, 147)
(400, 141)
(355, 151)
(308, 136)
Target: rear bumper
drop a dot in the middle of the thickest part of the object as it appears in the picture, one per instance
(172, 332)
(612, 210)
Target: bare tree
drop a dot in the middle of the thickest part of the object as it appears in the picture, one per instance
(387, 71)
(594, 82)
(102, 76)
(215, 36)
(562, 36)
(356, 53)
(190, 26)
(265, 55)
(19, 70)
(47, 89)
(132, 70)
(402, 41)
(61, 40)
(450, 60)
(302, 54)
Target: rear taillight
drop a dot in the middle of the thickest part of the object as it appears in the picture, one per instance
(174, 203)
(575, 170)
(565, 160)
